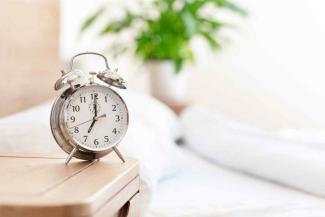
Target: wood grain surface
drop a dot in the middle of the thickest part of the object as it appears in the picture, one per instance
(37, 186)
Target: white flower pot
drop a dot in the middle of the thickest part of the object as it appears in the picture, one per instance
(165, 84)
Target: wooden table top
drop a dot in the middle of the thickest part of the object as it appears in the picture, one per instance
(43, 184)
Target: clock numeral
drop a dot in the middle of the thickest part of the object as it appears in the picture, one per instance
(82, 99)
(76, 130)
(106, 139)
(94, 95)
(114, 108)
(73, 119)
(96, 142)
(85, 137)
(106, 99)
(75, 108)
(117, 118)
(114, 131)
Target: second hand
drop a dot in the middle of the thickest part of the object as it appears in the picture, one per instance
(95, 118)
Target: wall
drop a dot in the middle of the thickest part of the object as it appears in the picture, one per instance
(29, 53)
(271, 75)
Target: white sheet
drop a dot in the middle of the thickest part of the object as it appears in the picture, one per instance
(262, 153)
(312, 138)
(203, 189)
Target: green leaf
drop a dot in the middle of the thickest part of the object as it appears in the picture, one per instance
(178, 65)
(117, 26)
(186, 53)
(231, 6)
(168, 34)
(194, 6)
(90, 20)
(210, 24)
(117, 48)
(190, 23)
(210, 39)
(235, 8)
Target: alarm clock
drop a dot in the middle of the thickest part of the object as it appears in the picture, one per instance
(89, 119)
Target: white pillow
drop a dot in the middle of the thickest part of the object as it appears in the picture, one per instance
(151, 112)
(28, 131)
(255, 151)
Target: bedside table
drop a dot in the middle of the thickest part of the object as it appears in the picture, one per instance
(42, 185)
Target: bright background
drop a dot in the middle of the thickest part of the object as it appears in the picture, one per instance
(270, 75)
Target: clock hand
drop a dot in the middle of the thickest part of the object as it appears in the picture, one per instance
(101, 116)
(81, 123)
(95, 114)
(91, 126)
(94, 121)
(95, 105)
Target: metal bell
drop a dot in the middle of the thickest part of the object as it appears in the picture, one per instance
(112, 78)
(68, 78)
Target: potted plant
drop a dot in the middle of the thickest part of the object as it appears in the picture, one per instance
(163, 35)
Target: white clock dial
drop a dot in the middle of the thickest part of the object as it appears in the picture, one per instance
(95, 117)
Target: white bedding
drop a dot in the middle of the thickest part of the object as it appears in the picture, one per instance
(203, 189)
(197, 188)
(273, 155)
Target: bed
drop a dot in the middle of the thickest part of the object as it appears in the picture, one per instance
(175, 181)
(204, 189)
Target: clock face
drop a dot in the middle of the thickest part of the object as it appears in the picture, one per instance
(95, 117)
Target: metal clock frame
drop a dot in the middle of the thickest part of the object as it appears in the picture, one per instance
(57, 122)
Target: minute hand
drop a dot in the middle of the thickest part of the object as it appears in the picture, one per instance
(95, 106)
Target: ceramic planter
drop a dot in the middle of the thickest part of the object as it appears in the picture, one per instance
(165, 84)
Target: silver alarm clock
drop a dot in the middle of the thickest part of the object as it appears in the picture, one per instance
(89, 119)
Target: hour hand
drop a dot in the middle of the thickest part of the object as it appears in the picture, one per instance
(91, 126)
(94, 121)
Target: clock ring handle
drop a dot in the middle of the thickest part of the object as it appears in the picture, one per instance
(88, 53)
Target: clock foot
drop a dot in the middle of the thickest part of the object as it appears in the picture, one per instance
(119, 154)
(71, 155)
